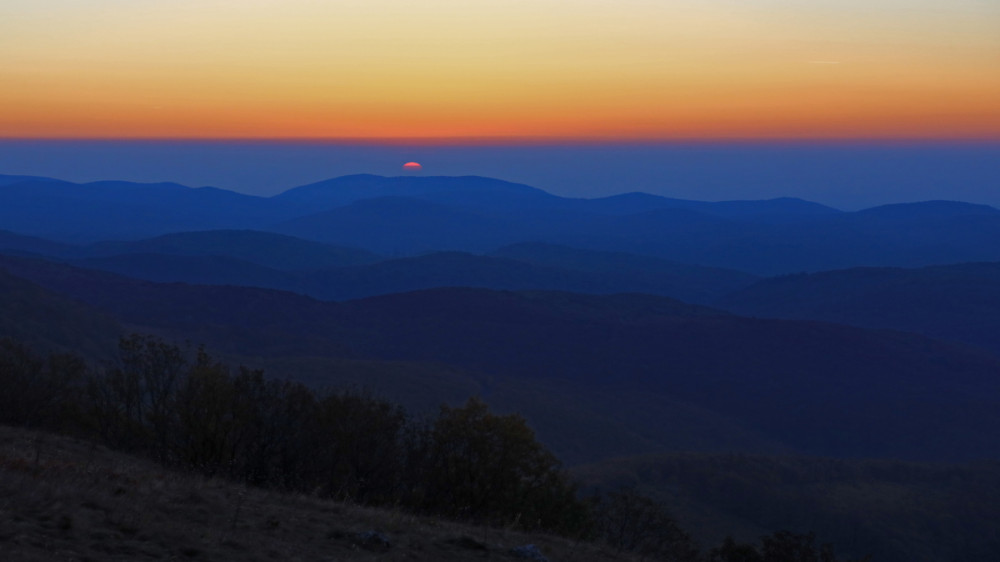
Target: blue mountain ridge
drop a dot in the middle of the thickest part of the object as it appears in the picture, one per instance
(412, 215)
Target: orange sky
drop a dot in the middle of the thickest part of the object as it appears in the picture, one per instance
(500, 69)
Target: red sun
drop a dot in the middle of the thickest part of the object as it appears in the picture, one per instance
(412, 167)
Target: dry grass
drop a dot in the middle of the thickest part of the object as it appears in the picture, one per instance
(64, 499)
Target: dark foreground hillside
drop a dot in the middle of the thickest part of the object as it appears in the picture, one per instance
(65, 499)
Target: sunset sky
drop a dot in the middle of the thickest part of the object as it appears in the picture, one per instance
(516, 70)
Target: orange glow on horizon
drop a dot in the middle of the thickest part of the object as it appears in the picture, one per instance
(495, 71)
(864, 123)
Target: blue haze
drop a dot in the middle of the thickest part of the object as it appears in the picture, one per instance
(844, 175)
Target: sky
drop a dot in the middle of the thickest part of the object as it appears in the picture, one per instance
(851, 103)
(473, 71)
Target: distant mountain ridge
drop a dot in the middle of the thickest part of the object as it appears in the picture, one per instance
(13, 243)
(637, 202)
(336, 192)
(81, 213)
(923, 209)
(270, 260)
(263, 248)
(8, 179)
(405, 216)
(437, 269)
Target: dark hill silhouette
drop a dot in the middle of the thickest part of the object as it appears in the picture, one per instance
(206, 270)
(263, 248)
(273, 322)
(448, 269)
(958, 302)
(814, 387)
(440, 269)
(571, 270)
(534, 266)
(11, 243)
(633, 272)
(53, 322)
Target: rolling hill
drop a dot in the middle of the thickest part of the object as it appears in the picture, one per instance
(12, 243)
(401, 226)
(52, 322)
(811, 387)
(109, 210)
(633, 272)
(957, 302)
(474, 191)
(262, 248)
(533, 267)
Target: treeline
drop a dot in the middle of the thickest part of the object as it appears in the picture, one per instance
(466, 463)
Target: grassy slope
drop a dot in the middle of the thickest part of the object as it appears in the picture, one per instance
(64, 499)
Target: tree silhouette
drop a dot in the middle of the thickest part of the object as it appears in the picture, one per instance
(491, 469)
